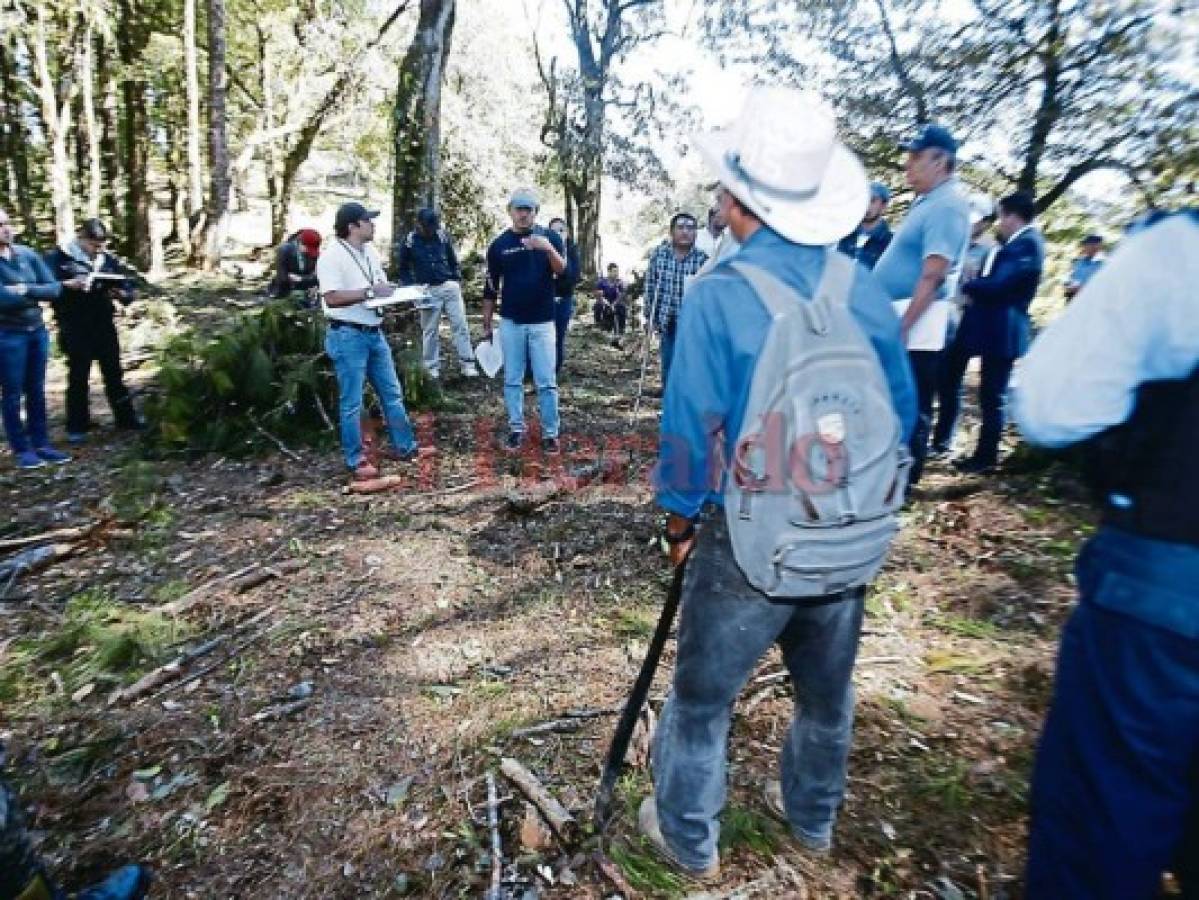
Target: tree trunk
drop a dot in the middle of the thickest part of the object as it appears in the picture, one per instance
(417, 116)
(91, 126)
(132, 37)
(195, 165)
(1049, 109)
(110, 157)
(14, 144)
(218, 195)
(56, 116)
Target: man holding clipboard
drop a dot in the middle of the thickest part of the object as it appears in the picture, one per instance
(920, 267)
(351, 278)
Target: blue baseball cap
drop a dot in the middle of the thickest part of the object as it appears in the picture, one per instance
(929, 137)
(880, 190)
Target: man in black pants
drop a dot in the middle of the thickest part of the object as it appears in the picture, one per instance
(91, 280)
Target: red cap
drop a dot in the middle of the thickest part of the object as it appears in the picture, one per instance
(310, 240)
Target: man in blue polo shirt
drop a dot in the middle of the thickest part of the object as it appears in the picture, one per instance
(920, 267)
(790, 188)
(521, 265)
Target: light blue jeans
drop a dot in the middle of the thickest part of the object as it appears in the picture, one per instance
(358, 357)
(530, 346)
(23, 358)
(725, 628)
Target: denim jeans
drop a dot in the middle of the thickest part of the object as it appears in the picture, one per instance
(667, 336)
(992, 394)
(564, 308)
(447, 298)
(1116, 778)
(725, 628)
(360, 356)
(23, 358)
(532, 346)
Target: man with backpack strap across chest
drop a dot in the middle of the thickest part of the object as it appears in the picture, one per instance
(789, 364)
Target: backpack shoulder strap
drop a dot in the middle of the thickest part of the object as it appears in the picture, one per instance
(836, 281)
(778, 298)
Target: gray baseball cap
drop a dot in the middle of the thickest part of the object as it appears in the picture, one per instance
(524, 197)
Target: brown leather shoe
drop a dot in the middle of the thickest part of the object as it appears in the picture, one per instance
(647, 823)
(364, 471)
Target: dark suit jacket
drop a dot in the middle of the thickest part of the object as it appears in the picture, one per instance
(995, 323)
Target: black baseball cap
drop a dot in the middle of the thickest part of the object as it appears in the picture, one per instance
(349, 213)
(929, 137)
(1093, 239)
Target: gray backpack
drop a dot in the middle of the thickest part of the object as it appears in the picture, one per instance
(819, 470)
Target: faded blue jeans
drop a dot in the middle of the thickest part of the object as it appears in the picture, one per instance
(726, 627)
(23, 358)
(530, 346)
(358, 357)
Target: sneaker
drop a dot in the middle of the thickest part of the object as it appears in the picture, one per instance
(76, 438)
(772, 793)
(364, 471)
(27, 459)
(552, 446)
(972, 466)
(470, 370)
(50, 455)
(514, 441)
(647, 824)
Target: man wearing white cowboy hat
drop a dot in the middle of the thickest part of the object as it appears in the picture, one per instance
(789, 190)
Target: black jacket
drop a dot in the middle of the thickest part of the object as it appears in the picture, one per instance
(74, 306)
(996, 323)
(422, 260)
(290, 259)
(869, 252)
(564, 284)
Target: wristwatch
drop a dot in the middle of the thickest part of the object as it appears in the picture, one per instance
(368, 294)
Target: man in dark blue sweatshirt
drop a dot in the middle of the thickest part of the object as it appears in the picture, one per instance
(24, 350)
(521, 265)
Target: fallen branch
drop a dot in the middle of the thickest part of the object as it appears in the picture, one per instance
(163, 674)
(239, 582)
(204, 670)
(58, 535)
(557, 726)
(555, 813)
(281, 711)
(497, 854)
(283, 448)
(613, 874)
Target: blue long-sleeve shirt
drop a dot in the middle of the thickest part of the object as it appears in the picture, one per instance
(722, 328)
(23, 312)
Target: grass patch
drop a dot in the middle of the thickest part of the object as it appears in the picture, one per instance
(100, 641)
(742, 827)
(971, 628)
(645, 870)
(635, 623)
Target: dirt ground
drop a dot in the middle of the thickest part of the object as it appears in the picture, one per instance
(377, 656)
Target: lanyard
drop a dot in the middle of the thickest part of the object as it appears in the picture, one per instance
(366, 271)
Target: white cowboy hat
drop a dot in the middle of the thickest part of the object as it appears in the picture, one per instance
(782, 160)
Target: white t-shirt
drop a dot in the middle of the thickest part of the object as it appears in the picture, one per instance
(342, 268)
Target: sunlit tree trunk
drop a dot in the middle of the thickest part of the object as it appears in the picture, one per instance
(417, 115)
(218, 194)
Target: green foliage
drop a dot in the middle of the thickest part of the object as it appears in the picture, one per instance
(100, 641)
(645, 871)
(744, 827)
(267, 372)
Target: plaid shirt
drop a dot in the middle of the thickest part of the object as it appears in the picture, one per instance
(664, 282)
